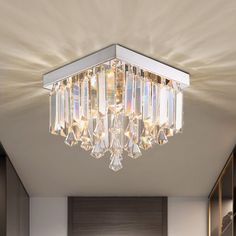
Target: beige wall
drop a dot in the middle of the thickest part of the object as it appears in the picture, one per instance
(187, 216)
(48, 217)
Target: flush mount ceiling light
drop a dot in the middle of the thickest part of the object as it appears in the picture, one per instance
(116, 100)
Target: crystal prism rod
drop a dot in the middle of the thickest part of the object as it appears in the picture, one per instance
(116, 51)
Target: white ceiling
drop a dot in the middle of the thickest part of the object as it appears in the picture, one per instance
(196, 36)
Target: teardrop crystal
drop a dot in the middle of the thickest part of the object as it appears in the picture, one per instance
(98, 149)
(134, 151)
(162, 138)
(115, 163)
(71, 139)
(86, 139)
(99, 131)
(146, 138)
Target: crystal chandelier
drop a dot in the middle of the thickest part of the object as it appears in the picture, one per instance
(116, 100)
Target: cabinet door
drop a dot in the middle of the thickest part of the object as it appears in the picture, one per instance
(17, 205)
(13, 206)
(24, 212)
(214, 220)
(2, 193)
(227, 201)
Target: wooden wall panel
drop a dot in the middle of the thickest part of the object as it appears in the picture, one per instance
(2, 192)
(117, 216)
(14, 200)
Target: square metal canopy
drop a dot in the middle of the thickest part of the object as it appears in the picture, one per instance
(116, 51)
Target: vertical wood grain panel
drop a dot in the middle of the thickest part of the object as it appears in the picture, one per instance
(14, 200)
(164, 216)
(117, 216)
(2, 192)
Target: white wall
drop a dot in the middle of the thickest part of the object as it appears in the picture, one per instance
(187, 216)
(48, 216)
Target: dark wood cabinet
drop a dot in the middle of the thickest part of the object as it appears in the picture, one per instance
(14, 200)
(222, 201)
(118, 216)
